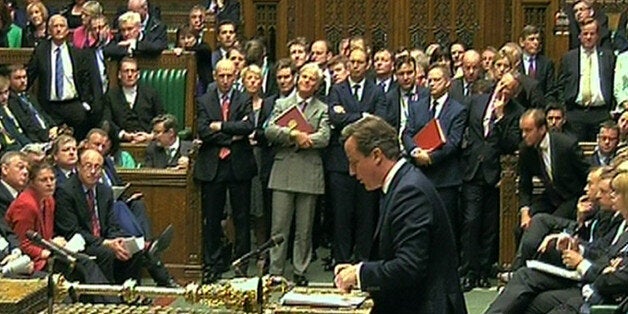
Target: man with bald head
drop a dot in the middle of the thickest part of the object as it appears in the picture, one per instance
(225, 162)
(462, 87)
(139, 34)
(63, 78)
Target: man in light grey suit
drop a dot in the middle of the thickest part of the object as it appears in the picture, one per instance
(297, 174)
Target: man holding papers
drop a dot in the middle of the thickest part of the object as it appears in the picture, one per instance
(412, 267)
(443, 166)
(296, 177)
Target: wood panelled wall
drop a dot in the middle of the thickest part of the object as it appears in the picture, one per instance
(388, 23)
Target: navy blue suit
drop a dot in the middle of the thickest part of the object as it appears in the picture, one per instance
(353, 206)
(413, 261)
(393, 99)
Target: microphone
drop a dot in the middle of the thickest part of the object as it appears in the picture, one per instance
(274, 241)
(53, 248)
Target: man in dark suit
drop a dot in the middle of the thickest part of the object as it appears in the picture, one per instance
(384, 66)
(554, 158)
(12, 135)
(36, 123)
(225, 39)
(299, 49)
(412, 267)
(586, 82)
(607, 142)
(443, 166)
(13, 178)
(225, 163)
(535, 65)
(529, 94)
(353, 206)
(321, 52)
(131, 107)
(85, 206)
(64, 154)
(95, 59)
(167, 150)
(582, 10)
(63, 78)
(556, 117)
(138, 35)
(405, 92)
(224, 10)
(492, 132)
(462, 88)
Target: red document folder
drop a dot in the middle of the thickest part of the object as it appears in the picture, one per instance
(293, 118)
(431, 136)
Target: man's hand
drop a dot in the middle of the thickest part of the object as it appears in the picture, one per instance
(546, 242)
(9, 258)
(422, 157)
(584, 206)
(525, 218)
(53, 133)
(338, 109)
(59, 241)
(118, 248)
(572, 258)
(44, 254)
(141, 137)
(346, 277)
(215, 126)
(301, 138)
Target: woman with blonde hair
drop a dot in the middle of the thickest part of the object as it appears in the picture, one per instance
(83, 37)
(36, 29)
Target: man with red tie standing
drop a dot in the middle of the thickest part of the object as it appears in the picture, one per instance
(225, 162)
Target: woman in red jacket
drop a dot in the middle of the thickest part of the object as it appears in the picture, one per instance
(34, 209)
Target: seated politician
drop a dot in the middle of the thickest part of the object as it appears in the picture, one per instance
(131, 40)
(131, 107)
(167, 150)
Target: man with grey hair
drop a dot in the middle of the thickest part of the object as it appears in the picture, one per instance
(298, 156)
(139, 33)
(413, 265)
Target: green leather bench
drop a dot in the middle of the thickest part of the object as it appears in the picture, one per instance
(170, 85)
(603, 309)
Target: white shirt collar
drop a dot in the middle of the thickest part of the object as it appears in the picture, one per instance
(545, 142)
(299, 99)
(391, 174)
(175, 145)
(11, 190)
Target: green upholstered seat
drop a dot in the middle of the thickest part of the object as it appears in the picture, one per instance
(603, 309)
(170, 85)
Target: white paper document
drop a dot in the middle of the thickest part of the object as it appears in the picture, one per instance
(134, 244)
(554, 270)
(322, 300)
(76, 244)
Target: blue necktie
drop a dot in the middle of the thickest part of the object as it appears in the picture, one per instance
(58, 74)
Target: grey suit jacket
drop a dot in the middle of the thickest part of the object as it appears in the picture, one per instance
(295, 169)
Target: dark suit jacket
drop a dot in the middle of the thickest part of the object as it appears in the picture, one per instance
(569, 77)
(39, 69)
(5, 199)
(157, 157)
(203, 66)
(574, 27)
(569, 169)
(267, 149)
(456, 90)
(481, 153)
(60, 177)
(373, 101)
(393, 104)
(13, 128)
(544, 76)
(446, 167)
(73, 215)
(155, 41)
(216, 56)
(531, 94)
(230, 12)
(147, 106)
(271, 87)
(413, 269)
(233, 135)
(31, 128)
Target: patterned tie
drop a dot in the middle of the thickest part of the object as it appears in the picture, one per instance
(92, 208)
(356, 90)
(587, 95)
(58, 74)
(224, 106)
(532, 68)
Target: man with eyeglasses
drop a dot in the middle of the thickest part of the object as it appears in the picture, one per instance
(131, 107)
(607, 142)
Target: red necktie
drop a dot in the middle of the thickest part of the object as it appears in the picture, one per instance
(224, 106)
(92, 209)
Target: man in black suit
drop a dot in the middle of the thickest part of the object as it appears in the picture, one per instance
(443, 166)
(554, 158)
(535, 65)
(12, 136)
(138, 35)
(463, 87)
(492, 132)
(95, 58)
(529, 94)
(384, 66)
(556, 117)
(63, 78)
(582, 10)
(64, 154)
(353, 206)
(225, 39)
(412, 266)
(585, 82)
(13, 178)
(299, 49)
(405, 92)
(131, 107)
(225, 162)
(85, 206)
(321, 52)
(167, 150)
(607, 142)
(36, 123)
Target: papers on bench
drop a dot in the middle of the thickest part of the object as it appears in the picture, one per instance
(321, 299)
(76, 244)
(134, 244)
(118, 190)
(4, 244)
(554, 270)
